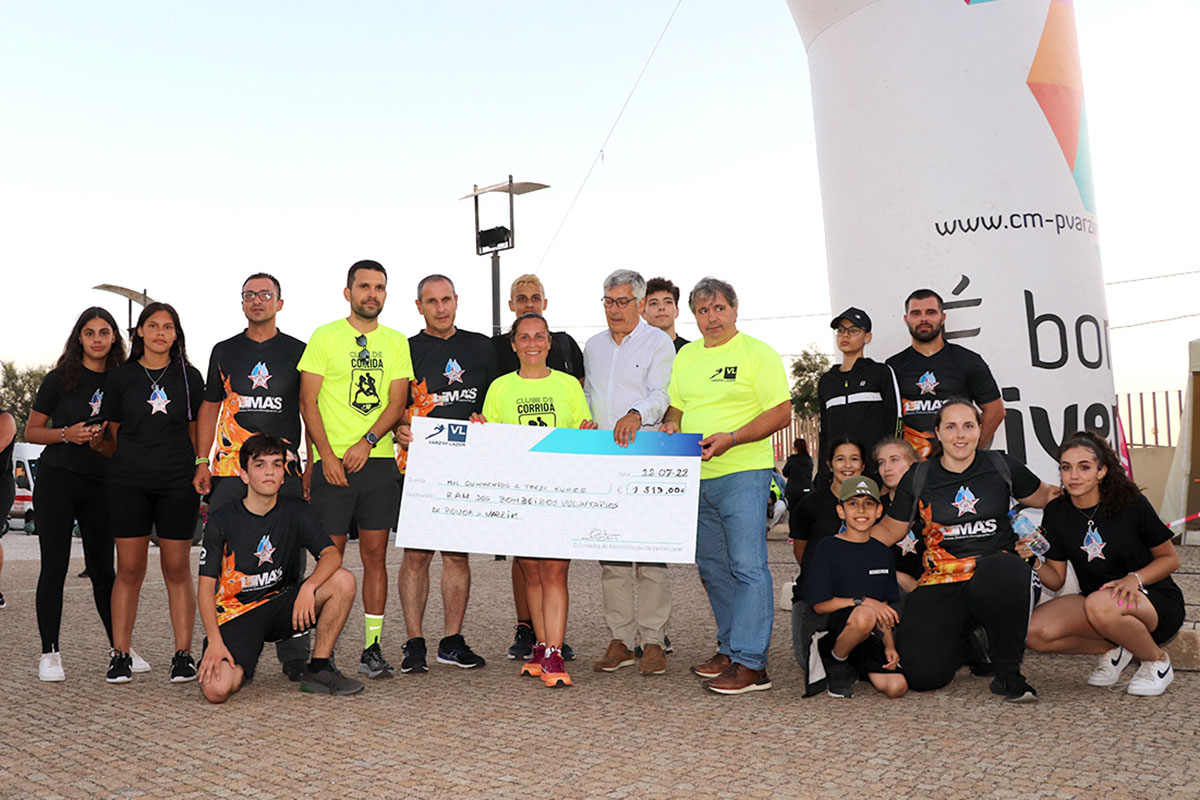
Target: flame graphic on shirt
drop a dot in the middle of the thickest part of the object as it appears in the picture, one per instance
(422, 404)
(940, 566)
(230, 435)
(228, 586)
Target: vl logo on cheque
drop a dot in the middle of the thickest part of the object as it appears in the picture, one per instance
(452, 434)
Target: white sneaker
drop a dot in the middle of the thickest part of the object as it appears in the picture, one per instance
(1152, 678)
(139, 664)
(50, 668)
(1109, 666)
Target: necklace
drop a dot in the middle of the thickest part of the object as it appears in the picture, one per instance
(1091, 524)
(154, 381)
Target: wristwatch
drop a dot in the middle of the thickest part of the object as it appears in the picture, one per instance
(371, 438)
(858, 601)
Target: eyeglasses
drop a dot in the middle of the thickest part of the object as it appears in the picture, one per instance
(851, 331)
(363, 354)
(619, 302)
(266, 295)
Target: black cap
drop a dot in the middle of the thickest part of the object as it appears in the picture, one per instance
(855, 316)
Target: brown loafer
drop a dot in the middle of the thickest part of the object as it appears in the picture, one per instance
(617, 656)
(713, 667)
(739, 679)
(654, 660)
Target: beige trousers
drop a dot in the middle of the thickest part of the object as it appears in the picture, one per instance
(644, 616)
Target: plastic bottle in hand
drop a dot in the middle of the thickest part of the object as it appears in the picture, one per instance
(1024, 528)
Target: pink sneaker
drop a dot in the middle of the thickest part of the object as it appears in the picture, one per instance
(554, 673)
(533, 667)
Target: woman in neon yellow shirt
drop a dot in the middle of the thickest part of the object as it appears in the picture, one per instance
(539, 396)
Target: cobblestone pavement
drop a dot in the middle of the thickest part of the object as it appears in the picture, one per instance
(488, 733)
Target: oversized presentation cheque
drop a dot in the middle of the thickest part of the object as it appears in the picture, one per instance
(553, 492)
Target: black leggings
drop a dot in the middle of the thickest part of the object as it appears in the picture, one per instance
(59, 498)
(937, 618)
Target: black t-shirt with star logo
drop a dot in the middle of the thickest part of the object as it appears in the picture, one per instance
(252, 557)
(452, 375)
(258, 386)
(927, 381)
(154, 445)
(67, 408)
(963, 515)
(1119, 544)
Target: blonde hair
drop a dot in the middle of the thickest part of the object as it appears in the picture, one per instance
(906, 449)
(528, 279)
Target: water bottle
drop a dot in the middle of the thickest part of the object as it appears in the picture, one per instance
(1024, 528)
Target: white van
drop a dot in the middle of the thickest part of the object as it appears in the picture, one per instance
(25, 459)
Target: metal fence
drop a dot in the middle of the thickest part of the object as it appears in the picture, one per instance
(1151, 418)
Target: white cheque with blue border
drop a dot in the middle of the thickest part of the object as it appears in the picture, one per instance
(550, 492)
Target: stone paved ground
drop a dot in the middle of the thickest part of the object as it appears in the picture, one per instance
(488, 733)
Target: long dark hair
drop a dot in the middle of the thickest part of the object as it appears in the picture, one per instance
(801, 448)
(137, 344)
(70, 363)
(1116, 489)
(936, 450)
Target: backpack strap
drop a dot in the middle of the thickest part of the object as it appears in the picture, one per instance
(920, 473)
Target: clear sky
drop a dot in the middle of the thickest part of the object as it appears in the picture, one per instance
(178, 147)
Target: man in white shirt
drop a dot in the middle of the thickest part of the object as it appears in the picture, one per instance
(626, 369)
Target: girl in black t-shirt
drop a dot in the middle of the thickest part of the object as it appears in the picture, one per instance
(151, 403)
(893, 457)
(972, 575)
(70, 483)
(1122, 553)
(816, 515)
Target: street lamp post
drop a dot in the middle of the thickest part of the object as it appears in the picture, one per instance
(141, 298)
(493, 240)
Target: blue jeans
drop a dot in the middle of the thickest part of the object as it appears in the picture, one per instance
(731, 554)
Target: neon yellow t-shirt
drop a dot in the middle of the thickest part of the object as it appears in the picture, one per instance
(720, 389)
(354, 392)
(556, 401)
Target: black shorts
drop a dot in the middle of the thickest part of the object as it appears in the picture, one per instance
(867, 657)
(1169, 605)
(372, 500)
(132, 512)
(245, 634)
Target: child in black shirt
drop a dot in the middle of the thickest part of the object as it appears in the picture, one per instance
(852, 578)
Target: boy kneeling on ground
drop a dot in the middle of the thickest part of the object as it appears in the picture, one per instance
(249, 591)
(853, 580)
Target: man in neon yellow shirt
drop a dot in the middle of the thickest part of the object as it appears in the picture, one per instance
(354, 378)
(732, 389)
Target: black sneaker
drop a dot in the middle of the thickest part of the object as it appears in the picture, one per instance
(329, 681)
(414, 657)
(567, 653)
(841, 678)
(373, 664)
(523, 642)
(1014, 689)
(183, 667)
(120, 667)
(294, 669)
(2, 603)
(455, 650)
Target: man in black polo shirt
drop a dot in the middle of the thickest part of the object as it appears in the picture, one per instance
(933, 369)
(859, 397)
(253, 387)
(453, 369)
(249, 590)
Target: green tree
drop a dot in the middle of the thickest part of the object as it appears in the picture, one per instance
(17, 390)
(807, 369)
